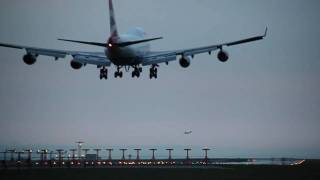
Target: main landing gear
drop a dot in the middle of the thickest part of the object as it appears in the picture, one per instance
(103, 73)
(136, 72)
(118, 73)
(154, 72)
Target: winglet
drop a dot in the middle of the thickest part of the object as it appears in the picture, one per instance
(265, 32)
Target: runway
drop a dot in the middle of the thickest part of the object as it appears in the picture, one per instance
(153, 163)
(308, 170)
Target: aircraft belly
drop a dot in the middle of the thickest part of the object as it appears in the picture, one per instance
(125, 56)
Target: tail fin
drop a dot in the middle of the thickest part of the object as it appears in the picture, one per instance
(113, 24)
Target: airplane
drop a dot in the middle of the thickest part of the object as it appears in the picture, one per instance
(187, 132)
(125, 51)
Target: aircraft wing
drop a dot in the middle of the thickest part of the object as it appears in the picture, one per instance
(167, 56)
(94, 58)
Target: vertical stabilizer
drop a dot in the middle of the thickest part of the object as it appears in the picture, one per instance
(113, 24)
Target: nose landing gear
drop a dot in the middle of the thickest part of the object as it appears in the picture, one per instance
(103, 73)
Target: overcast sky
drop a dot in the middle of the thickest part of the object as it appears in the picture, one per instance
(264, 102)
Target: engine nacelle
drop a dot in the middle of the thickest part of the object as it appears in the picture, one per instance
(29, 59)
(185, 62)
(76, 65)
(223, 56)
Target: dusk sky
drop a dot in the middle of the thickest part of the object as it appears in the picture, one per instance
(264, 102)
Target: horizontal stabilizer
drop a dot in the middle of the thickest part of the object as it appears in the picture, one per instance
(84, 42)
(122, 44)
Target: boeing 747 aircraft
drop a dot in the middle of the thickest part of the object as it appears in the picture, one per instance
(125, 51)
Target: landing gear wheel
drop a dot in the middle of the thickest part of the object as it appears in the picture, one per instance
(118, 74)
(103, 74)
(136, 73)
(106, 74)
(153, 73)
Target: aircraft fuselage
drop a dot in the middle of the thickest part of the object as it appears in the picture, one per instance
(128, 55)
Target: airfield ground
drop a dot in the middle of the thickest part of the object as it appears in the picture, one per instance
(310, 170)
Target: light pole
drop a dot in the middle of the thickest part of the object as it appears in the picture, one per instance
(29, 151)
(45, 154)
(51, 155)
(60, 153)
(18, 162)
(5, 155)
(41, 155)
(138, 153)
(73, 154)
(79, 148)
(123, 153)
(12, 151)
(4, 162)
(109, 154)
(97, 153)
(188, 150)
(206, 154)
(85, 153)
(170, 153)
(153, 153)
(19, 155)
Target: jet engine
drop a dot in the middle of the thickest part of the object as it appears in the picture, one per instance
(76, 65)
(29, 59)
(223, 56)
(185, 62)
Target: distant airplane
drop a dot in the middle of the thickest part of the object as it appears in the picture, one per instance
(187, 132)
(125, 51)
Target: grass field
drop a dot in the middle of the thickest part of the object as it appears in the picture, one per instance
(309, 171)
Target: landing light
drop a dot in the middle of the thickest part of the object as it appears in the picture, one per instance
(110, 45)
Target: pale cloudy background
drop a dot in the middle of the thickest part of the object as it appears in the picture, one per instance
(264, 102)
